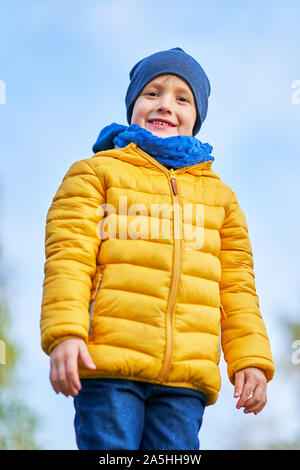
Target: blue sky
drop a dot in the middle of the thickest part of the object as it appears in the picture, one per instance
(66, 70)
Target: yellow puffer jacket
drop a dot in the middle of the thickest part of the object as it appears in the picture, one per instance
(152, 278)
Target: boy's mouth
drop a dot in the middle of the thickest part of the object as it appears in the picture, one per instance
(160, 123)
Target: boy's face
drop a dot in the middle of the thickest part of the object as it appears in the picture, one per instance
(166, 107)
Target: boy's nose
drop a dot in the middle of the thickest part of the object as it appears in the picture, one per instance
(164, 105)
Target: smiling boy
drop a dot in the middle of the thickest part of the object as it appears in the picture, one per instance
(166, 107)
(139, 320)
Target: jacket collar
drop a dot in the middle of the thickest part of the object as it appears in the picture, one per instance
(136, 156)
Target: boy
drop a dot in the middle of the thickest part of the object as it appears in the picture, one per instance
(148, 260)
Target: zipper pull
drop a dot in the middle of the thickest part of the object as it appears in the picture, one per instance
(174, 186)
(223, 311)
(173, 182)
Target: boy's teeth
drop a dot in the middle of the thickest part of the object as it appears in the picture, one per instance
(160, 122)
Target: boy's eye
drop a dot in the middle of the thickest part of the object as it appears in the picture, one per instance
(183, 99)
(152, 93)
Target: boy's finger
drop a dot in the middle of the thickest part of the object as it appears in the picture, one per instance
(53, 382)
(72, 375)
(55, 376)
(54, 386)
(85, 357)
(254, 408)
(247, 391)
(62, 382)
(239, 380)
(259, 410)
(252, 404)
(257, 401)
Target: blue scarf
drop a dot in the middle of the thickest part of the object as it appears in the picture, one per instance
(172, 152)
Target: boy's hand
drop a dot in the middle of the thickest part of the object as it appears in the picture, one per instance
(64, 376)
(248, 381)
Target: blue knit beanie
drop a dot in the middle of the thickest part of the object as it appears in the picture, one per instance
(173, 61)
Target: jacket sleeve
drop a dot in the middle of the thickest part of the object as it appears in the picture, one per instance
(71, 249)
(244, 337)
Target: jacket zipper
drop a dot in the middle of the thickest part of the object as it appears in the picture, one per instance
(91, 309)
(177, 226)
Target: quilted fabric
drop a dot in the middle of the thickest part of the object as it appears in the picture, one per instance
(151, 302)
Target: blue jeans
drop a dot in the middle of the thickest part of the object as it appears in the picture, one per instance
(130, 415)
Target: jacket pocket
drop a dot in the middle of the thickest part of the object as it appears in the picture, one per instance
(94, 294)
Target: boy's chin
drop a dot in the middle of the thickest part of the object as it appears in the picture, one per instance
(163, 133)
